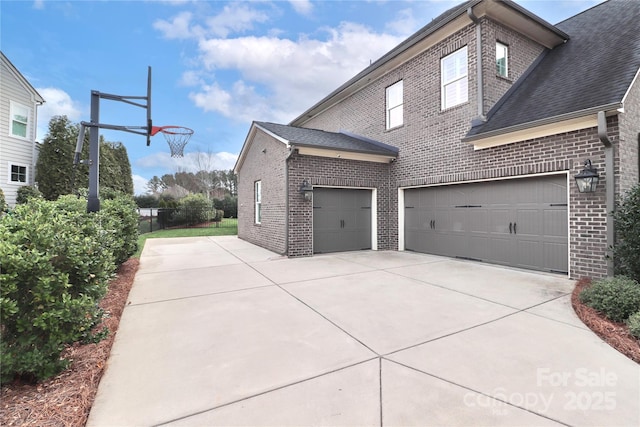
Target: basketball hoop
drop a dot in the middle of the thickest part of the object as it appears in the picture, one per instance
(176, 136)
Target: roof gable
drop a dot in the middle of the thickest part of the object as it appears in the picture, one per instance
(23, 81)
(592, 71)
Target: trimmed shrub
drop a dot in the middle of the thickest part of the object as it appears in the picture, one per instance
(633, 322)
(615, 297)
(55, 269)
(27, 192)
(627, 224)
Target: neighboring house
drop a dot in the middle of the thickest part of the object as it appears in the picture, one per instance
(463, 141)
(19, 103)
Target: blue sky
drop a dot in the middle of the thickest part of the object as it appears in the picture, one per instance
(216, 65)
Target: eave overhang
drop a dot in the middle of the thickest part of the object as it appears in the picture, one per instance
(569, 122)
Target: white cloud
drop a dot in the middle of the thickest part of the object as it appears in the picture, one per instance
(234, 18)
(179, 27)
(303, 7)
(57, 103)
(38, 4)
(139, 184)
(280, 78)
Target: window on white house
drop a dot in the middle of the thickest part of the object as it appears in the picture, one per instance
(18, 174)
(258, 198)
(19, 120)
(395, 105)
(454, 71)
(502, 59)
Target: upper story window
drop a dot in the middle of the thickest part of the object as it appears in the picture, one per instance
(19, 120)
(395, 105)
(502, 59)
(258, 200)
(18, 174)
(454, 72)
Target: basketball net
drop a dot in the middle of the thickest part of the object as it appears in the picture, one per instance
(177, 137)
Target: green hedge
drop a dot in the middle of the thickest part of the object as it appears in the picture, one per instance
(56, 261)
(615, 297)
(633, 322)
(627, 226)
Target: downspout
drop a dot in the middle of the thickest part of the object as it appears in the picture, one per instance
(481, 118)
(609, 187)
(286, 199)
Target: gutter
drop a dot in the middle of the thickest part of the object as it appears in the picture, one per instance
(609, 187)
(481, 118)
(541, 122)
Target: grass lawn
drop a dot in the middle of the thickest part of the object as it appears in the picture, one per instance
(228, 227)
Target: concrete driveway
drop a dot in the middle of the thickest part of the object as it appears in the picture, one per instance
(221, 332)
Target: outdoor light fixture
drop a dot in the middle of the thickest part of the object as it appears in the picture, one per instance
(587, 179)
(307, 190)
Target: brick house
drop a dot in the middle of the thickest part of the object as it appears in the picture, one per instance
(462, 141)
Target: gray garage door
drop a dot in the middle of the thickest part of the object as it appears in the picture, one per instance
(517, 222)
(341, 220)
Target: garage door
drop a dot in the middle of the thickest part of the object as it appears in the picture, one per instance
(517, 222)
(341, 220)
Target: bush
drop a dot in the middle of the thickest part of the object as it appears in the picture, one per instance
(633, 322)
(615, 297)
(27, 192)
(146, 201)
(3, 203)
(229, 205)
(627, 224)
(194, 209)
(119, 217)
(55, 269)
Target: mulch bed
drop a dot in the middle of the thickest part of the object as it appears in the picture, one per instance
(66, 399)
(615, 334)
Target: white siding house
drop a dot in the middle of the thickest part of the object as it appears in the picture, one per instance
(19, 102)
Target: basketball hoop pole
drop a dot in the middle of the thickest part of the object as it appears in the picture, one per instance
(93, 201)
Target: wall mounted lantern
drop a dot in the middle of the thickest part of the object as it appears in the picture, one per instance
(306, 190)
(587, 179)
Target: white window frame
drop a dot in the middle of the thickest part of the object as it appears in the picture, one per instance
(257, 189)
(459, 80)
(503, 49)
(394, 100)
(10, 177)
(13, 106)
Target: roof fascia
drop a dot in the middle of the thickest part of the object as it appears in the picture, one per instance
(544, 127)
(636, 78)
(342, 154)
(36, 97)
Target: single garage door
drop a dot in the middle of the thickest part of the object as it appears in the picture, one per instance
(516, 222)
(341, 220)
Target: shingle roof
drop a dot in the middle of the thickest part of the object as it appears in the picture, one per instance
(594, 68)
(320, 139)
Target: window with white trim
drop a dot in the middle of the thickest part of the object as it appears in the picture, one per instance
(454, 78)
(395, 105)
(258, 200)
(502, 59)
(19, 120)
(17, 174)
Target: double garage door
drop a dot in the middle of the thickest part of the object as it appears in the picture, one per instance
(517, 222)
(341, 219)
